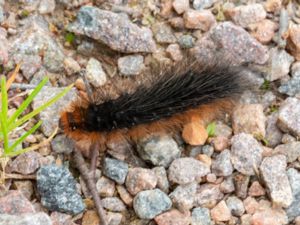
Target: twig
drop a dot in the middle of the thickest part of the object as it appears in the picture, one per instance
(19, 176)
(94, 157)
(90, 182)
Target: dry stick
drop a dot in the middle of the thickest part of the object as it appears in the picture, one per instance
(94, 157)
(90, 182)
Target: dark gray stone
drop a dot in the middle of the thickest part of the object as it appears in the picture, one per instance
(57, 188)
(62, 144)
(186, 41)
(222, 166)
(235, 205)
(115, 169)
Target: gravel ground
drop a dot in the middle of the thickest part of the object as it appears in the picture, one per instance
(247, 173)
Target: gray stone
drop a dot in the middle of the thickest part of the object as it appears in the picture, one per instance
(131, 64)
(183, 196)
(241, 183)
(291, 87)
(115, 170)
(201, 216)
(113, 204)
(294, 209)
(105, 187)
(208, 150)
(203, 4)
(162, 178)
(245, 15)
(26, 163)
(159, 150)
(290, 150)
(50, 116)
(246, 153)
(46, 6)
(181, 6)
(222, 166)
(273, 133)
(279, 64)
(235, 205)
(4, 46)
(58, 192)
(62, 144)
(289, 116)
(186, 170)
(275, 177)
(227, 186)
(208, 195)
(230, 41)
(148, 204)
(94, 73)
(14, 202)
(124, 37)
(163, 33)
(35, 38)
(39, 218)
(186, 41)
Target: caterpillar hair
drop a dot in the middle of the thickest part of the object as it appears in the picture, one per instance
(172, 99)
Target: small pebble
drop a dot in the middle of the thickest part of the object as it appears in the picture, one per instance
(201, 216)
(162, 178)
(251, 205)
(113, 204)
(202, 4)
(14, 202)
(186, 41)
(203, 20)
(105, 187)
(174, 51)
(131, 65)
(293, 42)
(172, 217)
(71, 66)
(115, 169)
(235, 206)
(222, 165)
(220, 213)
(25, 187)
(26, 163)
(62, 144)
(265, 31)
(273, 133)
(220, 143)
(148, 204)
(181, 6)
(39, 218)
(290, 150)
(227, 186)
(208, 195)
(124, 195)
(256, 190)
(163, 33)
(241, 183)
(94, 73)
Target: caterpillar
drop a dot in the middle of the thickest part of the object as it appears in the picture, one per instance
(173, 98)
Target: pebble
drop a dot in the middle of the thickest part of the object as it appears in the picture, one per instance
(113, 218)
(273, 133)
(287, 138)
(3, 46)
(14, 202)
(139, 179)
(201, 216)
(90, 217)
(186, 41)
(251, 205)
(71, 66)
(34, 38)
(223, 130)
(208, 195)
(58, 218)
(275, 177)
(58, 192)
(113, 204)
(220, 143)
(203, 20)
(279, 64)
(25, 187)
(289, 113)
(177, 22)
(273, 5)
(126, 36)
(203, 4)
(293, 43)
(186, 170)
(235, 206)
(62, 144)
(269, 216)
(124, 195)
(162, 178)
(46, 6)
(205, 159)
(245, 15)
(163, 33)
(241, 183)
(220, 213)
(291, 87)
(166, 8)
(148, 204)
(160, 150)
(172, 217)
(194, 133)
(227, 186)
(256, 190)
(181, 6)
(246, 153)
(232, 41)
(26, 163)
(94, 73)
(290, 150)
(293, 210)
(115, 169)
(183, 196)
(131, 65)
(222, 166)
(211, 178)
(39, 218)
(249, 119)
(264, 31)
(208, 150)
(174, 51)
(50, 116)
(105, 187)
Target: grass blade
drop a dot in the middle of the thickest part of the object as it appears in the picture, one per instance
(22, 138)
(27, 101)
(3, 114)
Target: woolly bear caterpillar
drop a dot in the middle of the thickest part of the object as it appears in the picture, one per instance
(180, 94)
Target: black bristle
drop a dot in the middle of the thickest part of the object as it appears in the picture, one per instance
(169, 95)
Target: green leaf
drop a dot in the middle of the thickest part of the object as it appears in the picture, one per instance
(22, 138)
(41, 108)
(28, 100)
(70, 37)
(211, 129)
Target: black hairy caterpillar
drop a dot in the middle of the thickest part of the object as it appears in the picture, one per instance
(182, 93)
